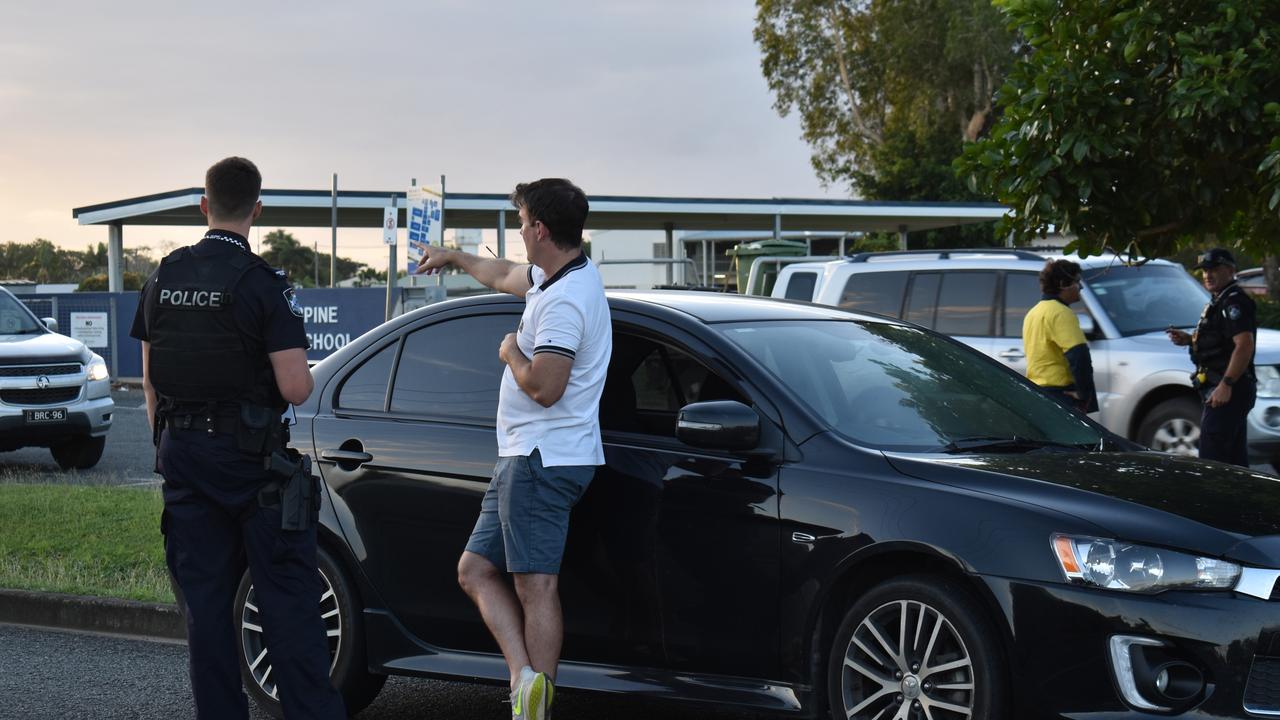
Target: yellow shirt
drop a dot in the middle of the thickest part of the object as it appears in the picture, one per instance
(1048, 331)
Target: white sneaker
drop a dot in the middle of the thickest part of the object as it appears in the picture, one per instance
(531, 699)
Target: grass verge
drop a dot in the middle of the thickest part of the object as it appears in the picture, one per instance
(85, 540)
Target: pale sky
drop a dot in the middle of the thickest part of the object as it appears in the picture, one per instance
(106, 101)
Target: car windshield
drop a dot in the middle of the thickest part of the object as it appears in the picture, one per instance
(14, 318)
(906, 389)
(1146, 298)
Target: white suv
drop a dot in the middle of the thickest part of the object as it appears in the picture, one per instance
(980, 297)
(54, 392)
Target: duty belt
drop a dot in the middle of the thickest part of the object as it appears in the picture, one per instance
(213, 424)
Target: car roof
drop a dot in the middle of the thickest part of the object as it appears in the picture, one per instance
(714, 307)
(706, 307)
(974, 259)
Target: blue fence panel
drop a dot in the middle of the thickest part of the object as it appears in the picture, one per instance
(336, 316)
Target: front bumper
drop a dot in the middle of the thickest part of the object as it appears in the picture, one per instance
(1062, 666)
(1264, 431)
(85, 418)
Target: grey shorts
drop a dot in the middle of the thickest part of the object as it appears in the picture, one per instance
(524, 517)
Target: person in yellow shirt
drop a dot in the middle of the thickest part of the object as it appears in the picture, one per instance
(1058, 357)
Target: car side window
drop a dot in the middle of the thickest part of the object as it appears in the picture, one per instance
(922, 301)
(966, 304)
(877, 292)
(451, 369)
(800, 287)
(366, 388)
(1021, 293)
(648, 383)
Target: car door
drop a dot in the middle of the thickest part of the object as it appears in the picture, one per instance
(701, 526)
(408, 445)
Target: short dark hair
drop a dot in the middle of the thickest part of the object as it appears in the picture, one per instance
(1058, 274)
(558, 204)
(232, 185)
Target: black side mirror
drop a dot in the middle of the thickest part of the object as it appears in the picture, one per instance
(719, 425)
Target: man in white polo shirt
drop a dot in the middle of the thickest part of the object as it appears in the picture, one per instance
(548, 433)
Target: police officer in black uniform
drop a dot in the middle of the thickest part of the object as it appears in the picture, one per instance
(1222, 350)
(223, 354)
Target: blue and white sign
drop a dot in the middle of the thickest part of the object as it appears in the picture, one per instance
(424, 214)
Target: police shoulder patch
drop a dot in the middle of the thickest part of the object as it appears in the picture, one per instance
(291, 299)
(1233, 312)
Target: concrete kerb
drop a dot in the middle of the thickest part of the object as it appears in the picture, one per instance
(92, 614)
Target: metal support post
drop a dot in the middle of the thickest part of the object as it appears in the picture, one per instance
(115, 254)
(502, 233)
(333, 245)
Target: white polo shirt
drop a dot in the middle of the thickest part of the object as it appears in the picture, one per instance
(566, 314)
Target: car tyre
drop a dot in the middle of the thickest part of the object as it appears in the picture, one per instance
(79, 453)
(343, 618)
(1173, 426)
(916, 647)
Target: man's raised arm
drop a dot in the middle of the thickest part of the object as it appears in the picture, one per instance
(497, 273)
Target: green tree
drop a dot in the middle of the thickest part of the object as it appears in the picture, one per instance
(301, 262)
(1145, 126)
(888, 91)
(99, 283)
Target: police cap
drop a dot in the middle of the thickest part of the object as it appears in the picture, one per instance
(1214, 258)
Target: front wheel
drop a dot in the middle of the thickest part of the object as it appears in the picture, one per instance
(80, 453)
(1173, 426)
(915, 648)
(343, 625)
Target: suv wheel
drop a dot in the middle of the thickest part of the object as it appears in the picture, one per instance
(343, 625)
(916, 647)
(79, 453)
(1173, 427)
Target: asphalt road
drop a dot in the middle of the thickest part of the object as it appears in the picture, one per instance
(56, 675)
(127, 460)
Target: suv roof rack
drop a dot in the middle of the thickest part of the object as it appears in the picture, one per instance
(946, 254)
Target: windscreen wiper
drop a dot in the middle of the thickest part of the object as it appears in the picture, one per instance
(988, 443)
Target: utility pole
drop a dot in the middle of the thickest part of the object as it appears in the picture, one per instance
(333, 252)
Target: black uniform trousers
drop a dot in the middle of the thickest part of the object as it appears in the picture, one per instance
(213, 526)
(1224, 430)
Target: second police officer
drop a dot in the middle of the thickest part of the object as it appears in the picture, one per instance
(223, 354)
(1222, 349)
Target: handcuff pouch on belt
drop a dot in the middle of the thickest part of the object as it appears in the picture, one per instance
(293, 489)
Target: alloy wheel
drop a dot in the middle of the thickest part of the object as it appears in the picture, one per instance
(254, 642)
(906, 661)
(1177, 436)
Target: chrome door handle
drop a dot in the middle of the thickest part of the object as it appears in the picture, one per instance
(1012, 354)
(350, 456)
(800, 537)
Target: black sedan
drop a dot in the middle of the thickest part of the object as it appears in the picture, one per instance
(803, 510)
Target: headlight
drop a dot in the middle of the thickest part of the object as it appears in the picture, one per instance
(1268, 380)
(1114, 565)
(98, 369)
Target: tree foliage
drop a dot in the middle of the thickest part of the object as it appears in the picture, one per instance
(887, 91)
(1141, 125)
(303, 264)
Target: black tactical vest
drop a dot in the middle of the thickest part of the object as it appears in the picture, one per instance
(198, 355)
(1212, 343)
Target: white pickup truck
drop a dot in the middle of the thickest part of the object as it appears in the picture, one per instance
(54, 391)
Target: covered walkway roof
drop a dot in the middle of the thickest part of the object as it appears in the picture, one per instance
(313, 208)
